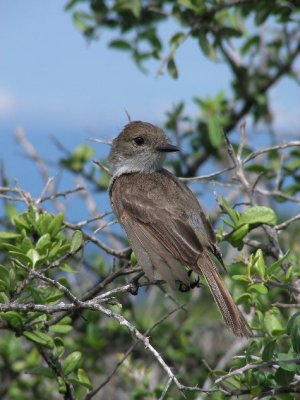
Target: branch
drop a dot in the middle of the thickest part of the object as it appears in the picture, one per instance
(246, 367)
(129, 351)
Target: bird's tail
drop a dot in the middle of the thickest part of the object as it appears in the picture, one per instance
(229, 310)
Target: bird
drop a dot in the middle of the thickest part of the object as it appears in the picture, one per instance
(166, 226)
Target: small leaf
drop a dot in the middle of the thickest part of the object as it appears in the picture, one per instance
(119, 44)
(259, 264)
(241, 278)
(272, 322)
(71, 362)
(76, 241)
(293, 328)
(133, 259)
(43, 242)
(289, 274)
(284, 377)
(272, 268)
(56, 224)
(287, 366)
(62, 388)
(293, 320)
(84, 379)
(9, 235)
(258, 215)
(239, 233)
(34, 256)
(136, 8)
(177, 39)
(40, 338)
(207, 48)
(258, 288)
(13, 318)
(295, 336)
(234, 215)
(172, 69)
(60, 328)
(268, 351)
(243, 298)
(215, 131)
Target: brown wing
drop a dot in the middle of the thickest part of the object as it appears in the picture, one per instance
(157, 212)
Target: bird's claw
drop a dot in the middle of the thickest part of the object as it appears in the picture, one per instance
(134, 284)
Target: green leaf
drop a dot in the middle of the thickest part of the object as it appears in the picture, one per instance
(272, 322)
(287, 366)
(259, 263)
(76, 241)
(295, 336)
(62, 388)
(119, 44)
(61, 328)
(284, 377)
(13, 318)
(84, 379)
(289, 274)
(4, 299)
(215, 131)
(272, 268)
(207, 48)
(196, 6)
(20, 222)
(43, 242)
(268, 351)
(243, 298)
(258, 288)
(133, 259)
(239, 233)
(71, 362)
(25, 260)
(258, 215)
(80, 21)
(293, 329)
(26, 244)
(56, 225)
(172, 69)
(4, 274)
(177, 39)
(40, 338)
(41, 371)
(34, 256)
(234, 215)
(241, 278)
(293, 320)
(136, 8)
(253, 41)
(9, 235)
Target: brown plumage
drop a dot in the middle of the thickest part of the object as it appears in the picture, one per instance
(164, 222)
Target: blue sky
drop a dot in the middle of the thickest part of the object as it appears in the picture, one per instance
(53, 82)
(51, 78)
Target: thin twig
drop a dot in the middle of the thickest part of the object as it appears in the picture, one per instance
(246, 367)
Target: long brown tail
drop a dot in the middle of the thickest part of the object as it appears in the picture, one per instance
(229, 310)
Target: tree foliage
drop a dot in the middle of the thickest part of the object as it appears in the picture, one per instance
(69, 326)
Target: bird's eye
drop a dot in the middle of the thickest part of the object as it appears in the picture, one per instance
(139, 140)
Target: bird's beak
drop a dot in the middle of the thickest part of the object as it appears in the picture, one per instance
(167, 147)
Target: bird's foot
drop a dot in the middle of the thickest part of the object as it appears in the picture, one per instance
(195, 283)
(134, 283)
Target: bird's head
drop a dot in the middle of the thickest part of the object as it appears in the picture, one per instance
(140, 147)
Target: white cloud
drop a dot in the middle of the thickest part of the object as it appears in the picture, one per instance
(7, 102)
